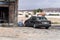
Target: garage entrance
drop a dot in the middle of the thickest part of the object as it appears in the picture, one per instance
(4, 14)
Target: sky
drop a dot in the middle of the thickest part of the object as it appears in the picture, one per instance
(35, 4)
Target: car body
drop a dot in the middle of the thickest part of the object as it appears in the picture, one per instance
(38, 21)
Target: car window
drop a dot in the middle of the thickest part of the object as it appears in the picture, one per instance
(33, 18)
(38, 18)
(41, 18)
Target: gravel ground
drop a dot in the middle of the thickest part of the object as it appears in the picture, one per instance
(29, 33)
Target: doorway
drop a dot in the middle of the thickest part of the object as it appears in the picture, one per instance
(4, 14)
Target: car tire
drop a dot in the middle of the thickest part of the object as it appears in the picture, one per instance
(34, 26)
(46, 27)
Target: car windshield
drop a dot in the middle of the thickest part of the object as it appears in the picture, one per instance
(41, 18)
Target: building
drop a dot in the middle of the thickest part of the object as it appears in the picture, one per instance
(8, 12)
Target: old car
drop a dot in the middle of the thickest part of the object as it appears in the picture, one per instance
(38, 21)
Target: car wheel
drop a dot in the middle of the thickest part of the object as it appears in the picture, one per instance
(46, 27)
(34, 26)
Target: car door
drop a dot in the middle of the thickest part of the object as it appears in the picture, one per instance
(32, 21)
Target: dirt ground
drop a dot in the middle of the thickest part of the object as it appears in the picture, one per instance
(29, 33)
